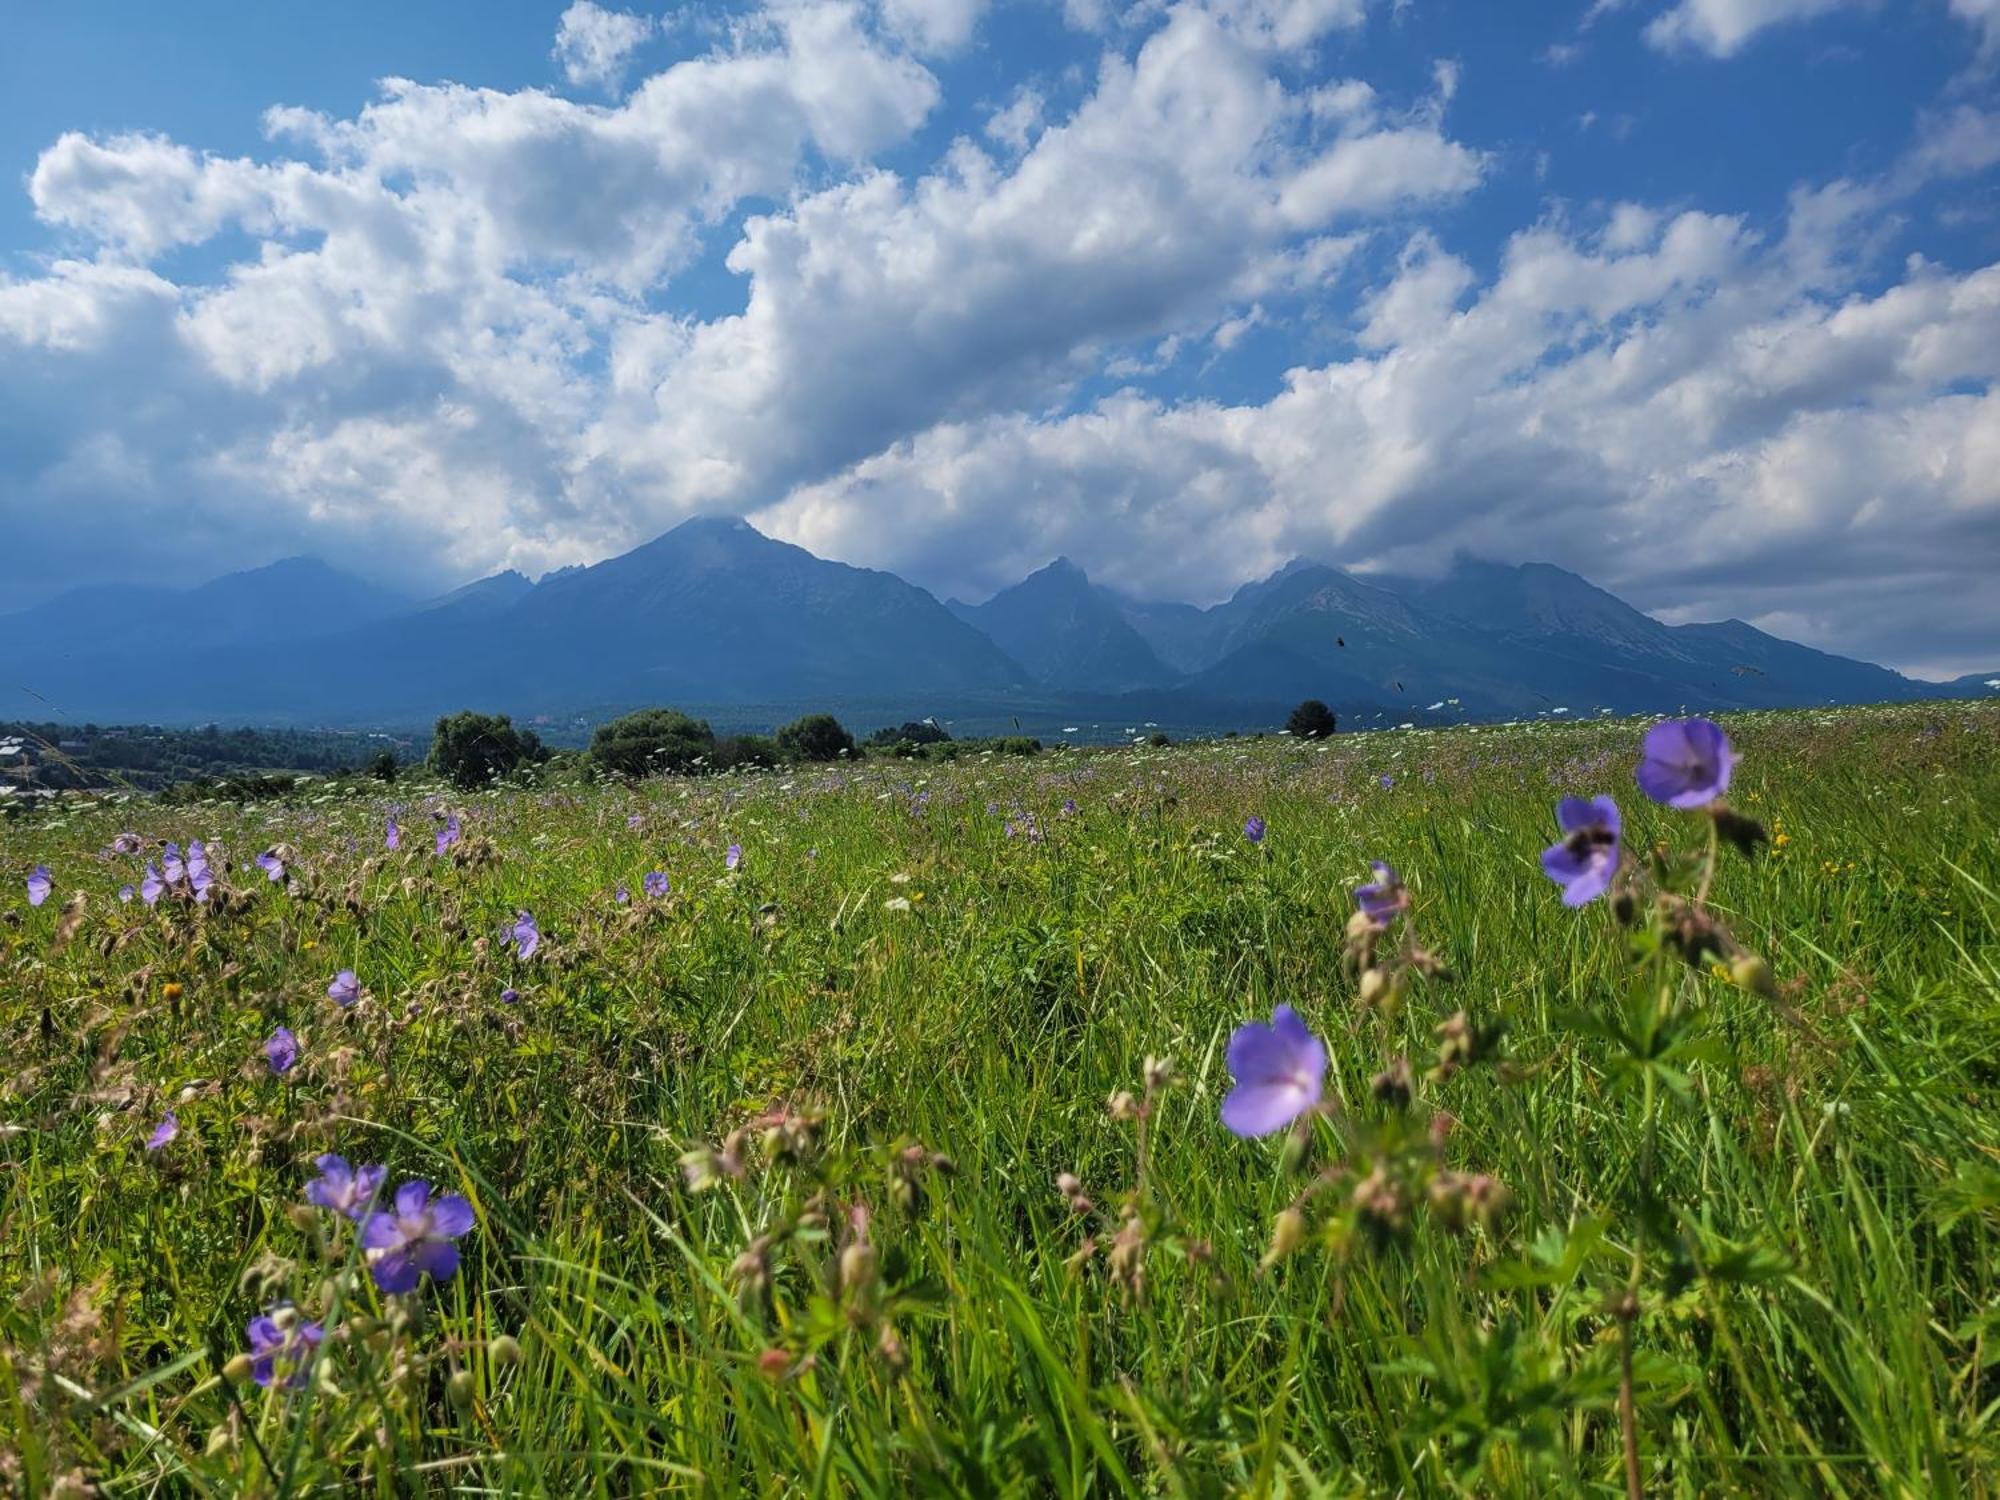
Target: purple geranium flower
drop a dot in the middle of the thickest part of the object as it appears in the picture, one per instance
(392, 836)
(510, 995)
(39, 885)
(126, 893)
(171, 865)
(345, 989)
(1387, 781)
(449, 834)
(733, 858)
(199, 879)
(280, 1356)
(1587, 857)
(634, 821)
(416, 1239)
(165, 1131)
(125, 843)
(154, 886)
(342, 1189)
(655, 883)
(1279, 1070)
(623, 894)
(1386, 899)
(272, 866)
(526, 936)
(282, 1049)
(1253, 829)
(1685, 762)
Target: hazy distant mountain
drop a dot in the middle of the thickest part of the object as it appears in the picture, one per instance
(294, 599)
(714, 614)
(486, 596)
(1068, 633)
(1971, 685)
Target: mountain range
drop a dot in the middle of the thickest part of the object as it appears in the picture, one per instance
(717, 617)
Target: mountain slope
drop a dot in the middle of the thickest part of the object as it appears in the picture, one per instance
(297, 598)
(1067, 632)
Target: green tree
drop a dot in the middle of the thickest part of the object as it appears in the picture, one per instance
(815, 737)
(1311, 720)
(651, 742)
(472, 749)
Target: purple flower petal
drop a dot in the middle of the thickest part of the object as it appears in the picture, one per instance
(39, 885)
(1685, 763)
(282, 1050)
(1280, 1070)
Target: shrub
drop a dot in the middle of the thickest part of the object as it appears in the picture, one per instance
(651, 742)
(471, 749)
(915, 732)
(382, 765)
(815, 737)
(1312, 720)
(736, 750)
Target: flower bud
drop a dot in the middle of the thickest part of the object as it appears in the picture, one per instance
(237, 1370)
(1123, 1105)
(459, 1390)
(1374, 985)
(857, 1269)
(1158, 1073)
(1292, 1151)
(1288, 1232)
(220, 1440)
(1751, 973)
(890, 1346)
(1068, 1184)
(1394, 1083)
(302, 1216)
(504, 1349)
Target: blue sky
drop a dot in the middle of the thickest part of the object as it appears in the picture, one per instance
(1700, 298)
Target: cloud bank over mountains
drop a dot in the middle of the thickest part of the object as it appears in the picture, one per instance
(776, 268)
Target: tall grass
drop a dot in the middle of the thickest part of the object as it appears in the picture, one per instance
(891, 961)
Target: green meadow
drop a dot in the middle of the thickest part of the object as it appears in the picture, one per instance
(765, 1169)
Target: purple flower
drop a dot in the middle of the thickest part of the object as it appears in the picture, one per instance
(655, 883)
(280, 1356)
(165, 1131)
(1279, 1070)
(342, 1190)
(416, 1239)
(1587, 857)
(345, 989)
(1387, 781)
(197, 859)
(39, 885)
(1069, 807)
(126, 893)
(170, 863)
(510, 996)
(125, 843)
(634, 821)
(272, 866)
(199, 880)
(733, 858)
(392, 836)
(1685, 763)
(153, 887)
(526, 936)
(282, 1049)
(1384, 900)
(622, 895)
(1253, 829)
(449, 834)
